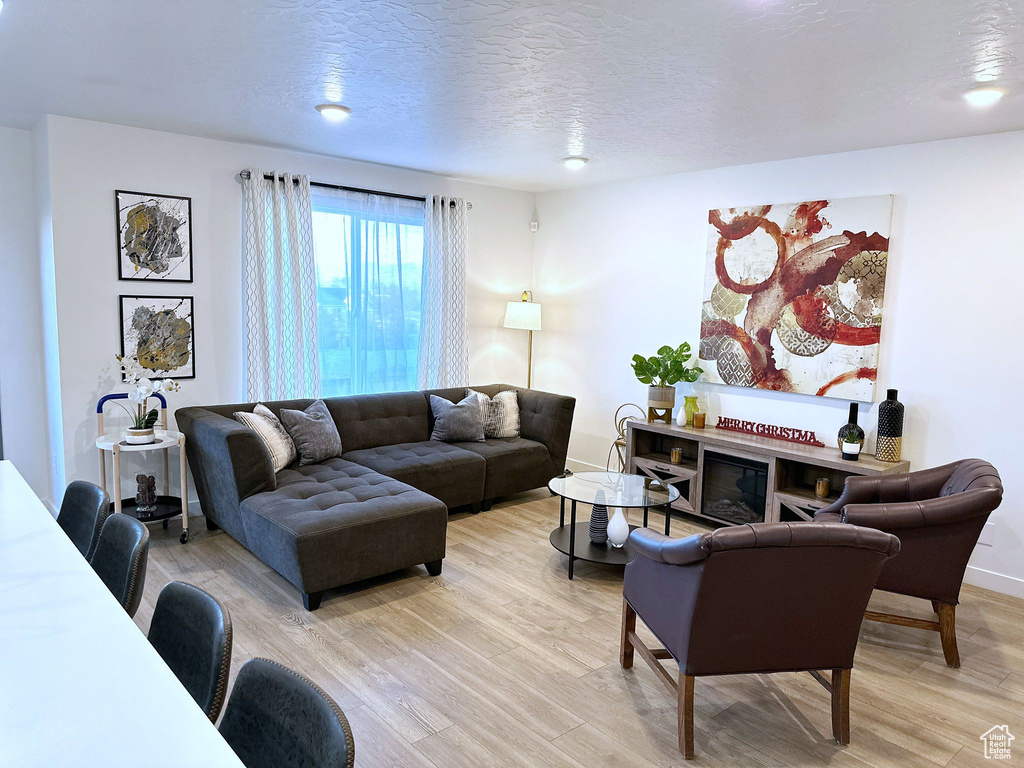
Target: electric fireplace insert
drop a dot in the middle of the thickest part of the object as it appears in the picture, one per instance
(734, 489)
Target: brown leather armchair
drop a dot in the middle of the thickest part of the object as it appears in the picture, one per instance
(752, 599)
(938, 515)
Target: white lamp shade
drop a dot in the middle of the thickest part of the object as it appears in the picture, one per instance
(524, 315)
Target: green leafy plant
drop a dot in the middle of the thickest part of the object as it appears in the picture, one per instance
(667, 367)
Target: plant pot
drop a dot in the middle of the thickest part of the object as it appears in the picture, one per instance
(140, 436)
(661, 397)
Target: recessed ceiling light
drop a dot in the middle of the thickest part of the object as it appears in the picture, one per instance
(1, 5)
(984, 97)
(575, 162)
(334, 112)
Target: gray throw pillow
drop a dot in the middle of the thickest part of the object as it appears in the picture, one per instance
(314, 433)
(457, 422)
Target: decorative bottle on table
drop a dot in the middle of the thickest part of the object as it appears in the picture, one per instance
(599, 520)
(851, 436)
(690, 407)
(618, 529)
(890, 429)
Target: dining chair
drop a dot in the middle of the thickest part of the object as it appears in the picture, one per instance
(276, 718)
(191, 631)
(938, 515)
(752, 599)
(120, 559)
(82, 513)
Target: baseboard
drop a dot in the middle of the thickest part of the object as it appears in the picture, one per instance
(997, 582)
(582, 466)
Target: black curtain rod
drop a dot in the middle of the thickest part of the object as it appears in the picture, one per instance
(270, 176)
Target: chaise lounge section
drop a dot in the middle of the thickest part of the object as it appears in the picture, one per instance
(380, 507)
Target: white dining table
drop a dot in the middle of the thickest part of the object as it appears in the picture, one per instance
(80, 685)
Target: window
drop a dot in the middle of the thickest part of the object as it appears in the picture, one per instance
(369, 259)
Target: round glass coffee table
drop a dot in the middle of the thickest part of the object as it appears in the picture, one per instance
(620, 491)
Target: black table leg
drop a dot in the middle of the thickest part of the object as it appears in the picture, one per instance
(668, 517)
(645, 517)
(561, 513)
(572, 537)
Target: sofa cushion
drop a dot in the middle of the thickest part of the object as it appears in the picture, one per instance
(514, 464)
(337, 522)
(453, 475)
(367, 421)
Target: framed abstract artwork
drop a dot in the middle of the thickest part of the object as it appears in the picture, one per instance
(159, 330)
(793, 296)
(154, 237)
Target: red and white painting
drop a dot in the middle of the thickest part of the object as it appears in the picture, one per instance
(793, 296)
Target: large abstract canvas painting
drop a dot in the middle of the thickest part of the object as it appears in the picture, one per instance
(154, 237)
(793, 296)
(159, 331)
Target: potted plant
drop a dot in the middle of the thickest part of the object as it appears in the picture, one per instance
(141, 432)
(662, 372)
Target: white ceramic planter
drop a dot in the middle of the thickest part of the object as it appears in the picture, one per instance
(140, 436)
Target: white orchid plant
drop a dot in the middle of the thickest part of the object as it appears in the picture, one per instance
(143, 388)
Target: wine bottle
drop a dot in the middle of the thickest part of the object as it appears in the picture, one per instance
(851, 436)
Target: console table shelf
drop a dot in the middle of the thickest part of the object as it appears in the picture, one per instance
(728, 477)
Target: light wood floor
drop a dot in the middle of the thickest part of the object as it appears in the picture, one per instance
(501, 661)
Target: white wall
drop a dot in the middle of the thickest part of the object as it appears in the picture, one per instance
(22, 388)
(619, 268)
(89, 160)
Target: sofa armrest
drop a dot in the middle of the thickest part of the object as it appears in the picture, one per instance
(233, 459)
(662, 549)
(547, 418)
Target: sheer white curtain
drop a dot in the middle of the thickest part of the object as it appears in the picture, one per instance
(282, 355)
(369, 253)
(444, 333)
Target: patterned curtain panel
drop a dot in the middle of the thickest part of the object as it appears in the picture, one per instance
(282, 356)
(444, 334)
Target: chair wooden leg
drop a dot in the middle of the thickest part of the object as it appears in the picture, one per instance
(841, 705)
(686, 715)
(947, 633)
(628, 625)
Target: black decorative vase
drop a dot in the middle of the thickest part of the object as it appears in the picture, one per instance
(890, 429)
(851, 437)
(599, 520)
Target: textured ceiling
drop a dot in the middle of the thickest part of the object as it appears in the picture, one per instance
(500, 90)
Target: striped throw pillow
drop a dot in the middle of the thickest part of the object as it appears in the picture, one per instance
(271, 431)
(501, 413)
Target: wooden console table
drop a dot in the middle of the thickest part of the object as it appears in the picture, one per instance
(731, 478)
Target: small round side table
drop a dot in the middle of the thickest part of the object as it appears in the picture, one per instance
(167, 506)
(618, 490)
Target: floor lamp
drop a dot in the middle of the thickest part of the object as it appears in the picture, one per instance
(524, 315)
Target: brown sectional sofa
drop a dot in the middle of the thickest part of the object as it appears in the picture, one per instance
(381, 506)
